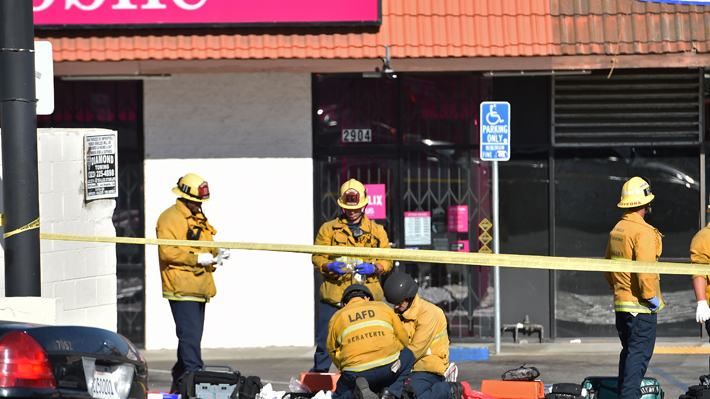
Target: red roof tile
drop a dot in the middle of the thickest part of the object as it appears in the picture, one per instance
(422, 29)
(412, 28)
(628, 27)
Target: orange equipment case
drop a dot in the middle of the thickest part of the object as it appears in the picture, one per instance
(320, 381)
(514, 389)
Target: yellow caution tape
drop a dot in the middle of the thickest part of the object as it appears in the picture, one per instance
(409, 255)
(29, 226)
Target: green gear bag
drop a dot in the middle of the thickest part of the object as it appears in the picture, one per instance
(607, 388)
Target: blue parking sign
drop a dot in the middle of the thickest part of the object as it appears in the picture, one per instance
(495, 131)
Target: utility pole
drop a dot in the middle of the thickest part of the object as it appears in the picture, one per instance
(19, 149)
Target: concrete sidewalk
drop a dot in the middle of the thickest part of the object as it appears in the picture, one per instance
(583, 346)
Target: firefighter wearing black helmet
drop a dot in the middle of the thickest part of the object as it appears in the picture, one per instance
(367, 343)
(186, 271)
(428, 339)
(351, 229)
(637, 296)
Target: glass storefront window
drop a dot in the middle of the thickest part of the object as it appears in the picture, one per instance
(444, 186)
(432, 145)
(365, 107)
(442, 109)
(334, 171)
(524, 203)
(425, 174)
(587, 189)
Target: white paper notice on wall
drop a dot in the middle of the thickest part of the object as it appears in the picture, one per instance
(44, 77)
(417, 228)
(101, 165)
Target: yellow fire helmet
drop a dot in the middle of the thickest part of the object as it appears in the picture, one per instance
(353, 195)
(192, 187)
(635, 192)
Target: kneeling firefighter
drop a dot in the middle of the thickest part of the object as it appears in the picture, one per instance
(428, 339)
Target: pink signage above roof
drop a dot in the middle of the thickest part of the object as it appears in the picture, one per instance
(123, 13)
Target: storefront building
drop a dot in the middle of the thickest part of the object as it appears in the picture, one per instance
(599, 92)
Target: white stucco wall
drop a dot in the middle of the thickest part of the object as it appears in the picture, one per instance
(78, 279)
(249, 136)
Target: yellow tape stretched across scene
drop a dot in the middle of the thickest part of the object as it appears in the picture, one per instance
(409, 255)
(29, 226)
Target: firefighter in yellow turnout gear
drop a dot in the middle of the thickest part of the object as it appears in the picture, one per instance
(351, 229)
(428, 339)
(367, 343)
(700, 254)
(637, 296)
(186, 272)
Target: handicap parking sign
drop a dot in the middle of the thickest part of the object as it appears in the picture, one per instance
(495, 131)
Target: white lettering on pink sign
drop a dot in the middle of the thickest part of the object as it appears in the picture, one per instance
(457, 218)
(377, 207)
(122, 5)
(128, 5)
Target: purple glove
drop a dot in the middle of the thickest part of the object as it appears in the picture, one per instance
(336, 267)
(365, 268)
(655, 303)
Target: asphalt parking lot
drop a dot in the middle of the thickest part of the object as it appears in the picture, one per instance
(680, 367)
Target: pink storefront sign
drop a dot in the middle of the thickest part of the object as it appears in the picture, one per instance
(165, 13)
(377, 207)
(457, 218)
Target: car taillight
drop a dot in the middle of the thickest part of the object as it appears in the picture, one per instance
(24, 363)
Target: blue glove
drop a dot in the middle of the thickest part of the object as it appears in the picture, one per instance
(336, 267)
(365, 268)
(655, 303)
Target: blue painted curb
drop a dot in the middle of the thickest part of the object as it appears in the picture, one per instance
(468, 354)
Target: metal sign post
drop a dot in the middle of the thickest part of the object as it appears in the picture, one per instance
(495, 146)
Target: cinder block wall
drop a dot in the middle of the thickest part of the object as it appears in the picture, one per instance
(80, 275)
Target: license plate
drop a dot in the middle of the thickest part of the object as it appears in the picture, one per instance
(356, 136)
(103, 386)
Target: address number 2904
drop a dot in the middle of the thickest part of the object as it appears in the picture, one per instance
(356, 136)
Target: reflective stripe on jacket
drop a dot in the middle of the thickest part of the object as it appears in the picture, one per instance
(364, 335)
(634, 239)
(336, 232)
(428, 338)
(183, 279)
(700, 254)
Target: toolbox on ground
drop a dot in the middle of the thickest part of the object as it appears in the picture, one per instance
(209, 384)
(513, 389)
(607, 388)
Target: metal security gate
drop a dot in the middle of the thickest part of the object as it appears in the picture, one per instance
(424, 148)
(117, 106)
